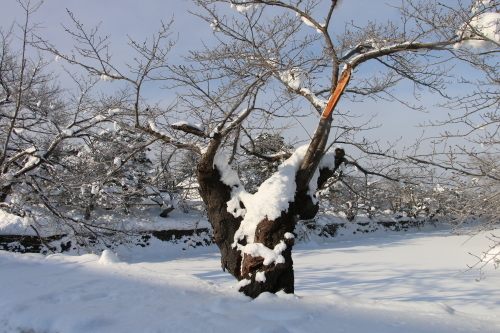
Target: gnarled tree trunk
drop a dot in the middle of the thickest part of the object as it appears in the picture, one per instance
(215, 195)
(256, 274)
(270, 233)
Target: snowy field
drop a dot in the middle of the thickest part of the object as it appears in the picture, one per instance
(383, 283)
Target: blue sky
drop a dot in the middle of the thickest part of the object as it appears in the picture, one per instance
(140, 19)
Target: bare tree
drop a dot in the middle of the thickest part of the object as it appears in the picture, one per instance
(42, 125)
(466, 150)
(271, 57)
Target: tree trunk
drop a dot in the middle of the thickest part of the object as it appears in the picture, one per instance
(270, 233)
(215, 195)
(276, 235)
(276, 276)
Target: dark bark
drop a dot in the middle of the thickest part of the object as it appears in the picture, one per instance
(216, 194)
(278, 276)
(4, 192)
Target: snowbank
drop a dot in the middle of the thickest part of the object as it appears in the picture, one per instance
(89, 293)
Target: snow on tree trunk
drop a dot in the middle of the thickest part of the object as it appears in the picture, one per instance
(254, 232)
(215, 194)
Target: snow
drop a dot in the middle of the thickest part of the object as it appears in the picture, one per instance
(270, 256)
(487, 24)
(243, 8)
(108, 257)
(154, 128)
(272, 198)
(292, 78)
(67, 132)
(260, 277)
(95, 189)
(98, 118)
(14, 225)
(106, 78)
(32, 160)
(309, 23)
(317, 102)
(114, 111)
(117, 161)
(215, 25)
(199, 127)
(227, 175)
(378, 283)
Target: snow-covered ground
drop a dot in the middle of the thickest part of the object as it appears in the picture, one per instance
(403, 282)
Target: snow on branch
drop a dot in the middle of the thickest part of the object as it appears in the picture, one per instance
(311, 24)
(481, 32)
(244, 6)
(292, 79)
(268, 158)
(196, 129)
(268, 203)
(6, 100)
(318, 103)
(373, 53)
(236, 122)
(153, 130)
(272, 198)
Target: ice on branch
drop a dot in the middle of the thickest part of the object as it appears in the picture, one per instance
(245, 7)
(57, 58)
(117, 161)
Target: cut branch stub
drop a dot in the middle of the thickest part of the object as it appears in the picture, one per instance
(318, 143)
(339, 90)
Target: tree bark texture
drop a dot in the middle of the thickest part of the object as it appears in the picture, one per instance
(215, 195)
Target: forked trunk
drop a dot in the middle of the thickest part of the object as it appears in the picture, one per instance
(266, 265)
(255, 275)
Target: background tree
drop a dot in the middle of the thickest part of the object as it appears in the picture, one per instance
(265, 153)
(59, 156)
(467, 147)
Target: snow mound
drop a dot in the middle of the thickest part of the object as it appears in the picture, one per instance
(108, 257)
